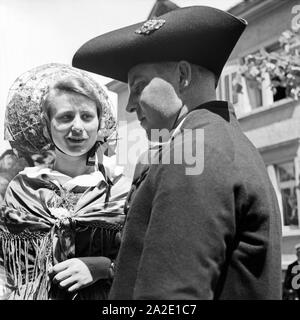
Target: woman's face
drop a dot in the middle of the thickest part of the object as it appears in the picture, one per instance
(74, 123)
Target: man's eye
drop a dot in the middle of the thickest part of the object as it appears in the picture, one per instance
(138, 88)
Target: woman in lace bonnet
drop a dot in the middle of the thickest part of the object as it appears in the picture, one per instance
(71, 208)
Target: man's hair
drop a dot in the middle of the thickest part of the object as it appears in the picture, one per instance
(71, 85)
(207, 72)
(199, 70)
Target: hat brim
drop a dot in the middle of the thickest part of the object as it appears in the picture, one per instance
(201, 35)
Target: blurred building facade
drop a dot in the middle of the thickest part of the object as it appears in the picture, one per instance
(271, 121)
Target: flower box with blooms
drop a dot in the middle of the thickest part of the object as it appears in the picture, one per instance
(282, 66)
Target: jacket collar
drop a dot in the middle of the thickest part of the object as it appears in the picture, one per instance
(220, 108)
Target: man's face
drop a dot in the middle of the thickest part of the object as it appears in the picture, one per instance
(153, 95)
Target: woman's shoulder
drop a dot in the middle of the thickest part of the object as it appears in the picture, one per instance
(28, 174)
(34, 172)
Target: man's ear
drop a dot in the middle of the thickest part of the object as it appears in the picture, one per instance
(185, 74)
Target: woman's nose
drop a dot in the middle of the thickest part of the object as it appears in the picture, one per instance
(77, 125)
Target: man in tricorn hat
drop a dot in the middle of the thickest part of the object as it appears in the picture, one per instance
(211, 231)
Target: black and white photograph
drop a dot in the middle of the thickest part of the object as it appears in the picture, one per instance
(149, 150)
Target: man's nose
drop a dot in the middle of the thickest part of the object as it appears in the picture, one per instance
(131, 105)
(130, 108)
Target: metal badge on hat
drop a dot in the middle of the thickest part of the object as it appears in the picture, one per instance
(150, 26)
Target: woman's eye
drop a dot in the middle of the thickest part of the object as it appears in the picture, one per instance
(87, 117)
(65, 117)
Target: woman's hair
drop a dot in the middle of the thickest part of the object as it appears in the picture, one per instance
(67, 85)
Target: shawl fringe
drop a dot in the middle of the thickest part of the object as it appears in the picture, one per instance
(27, 257)
(25, 260)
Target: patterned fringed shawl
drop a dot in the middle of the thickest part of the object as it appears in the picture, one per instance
(43, 223)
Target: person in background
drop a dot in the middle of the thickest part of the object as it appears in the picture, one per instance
(7, 160)
(203, 222)
(10, 165)
(292, 276)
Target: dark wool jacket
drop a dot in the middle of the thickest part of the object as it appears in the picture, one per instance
(214, 235)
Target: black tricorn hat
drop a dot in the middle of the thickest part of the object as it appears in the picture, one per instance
(201, 35)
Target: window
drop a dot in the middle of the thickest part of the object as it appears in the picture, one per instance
(286, 179)
(274, 85)
(254, 92)
(227, 82)
(279, 92)
(257, 94)
(262, 94)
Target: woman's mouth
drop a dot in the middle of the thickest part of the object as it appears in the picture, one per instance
(76, 140)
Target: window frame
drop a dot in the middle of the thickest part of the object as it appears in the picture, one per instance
(289, 230)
